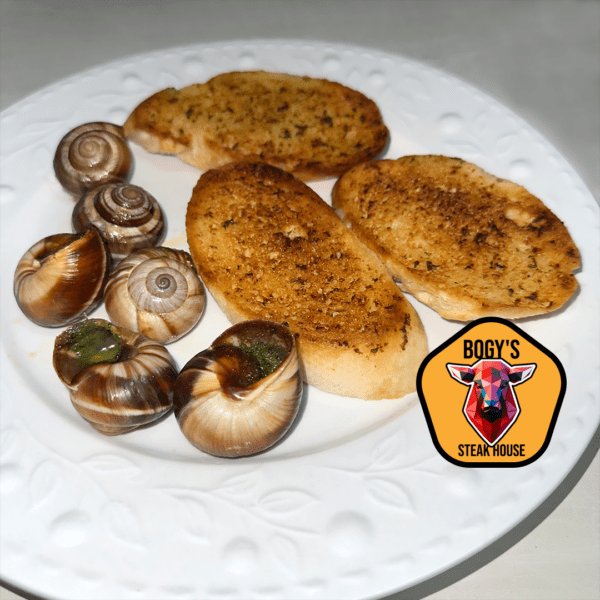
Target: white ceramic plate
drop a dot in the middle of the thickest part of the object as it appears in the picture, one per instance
(355, 503)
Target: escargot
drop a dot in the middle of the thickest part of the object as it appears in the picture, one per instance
(62, 277)
(126, 215)
(90, 155)
(241, 395)
(118, 380)
(157, 292)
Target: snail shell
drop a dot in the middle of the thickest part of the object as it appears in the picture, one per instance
(157, 292)
(116, 397)
(221, 403)
(90, 155)
(62, 277)
(127, 217)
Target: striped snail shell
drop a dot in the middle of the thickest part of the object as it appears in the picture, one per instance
(227, 400)
(90, 155)
(126, 215)
(118, 380)
(157, 292)
(62, 277)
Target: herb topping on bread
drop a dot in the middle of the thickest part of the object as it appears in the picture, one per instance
(462, 241)
(313, 128)
(267, 246)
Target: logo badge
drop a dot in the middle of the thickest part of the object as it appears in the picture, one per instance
(491, 395)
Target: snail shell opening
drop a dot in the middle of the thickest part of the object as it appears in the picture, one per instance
(223, 414)
(131, 388)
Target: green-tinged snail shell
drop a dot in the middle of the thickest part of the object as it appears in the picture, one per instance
(62, 277)
(118, 380)
(241, 395)
(157, 292)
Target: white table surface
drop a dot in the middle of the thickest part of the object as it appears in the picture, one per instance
(540, 58)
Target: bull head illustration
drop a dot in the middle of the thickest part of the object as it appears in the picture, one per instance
(491, 406)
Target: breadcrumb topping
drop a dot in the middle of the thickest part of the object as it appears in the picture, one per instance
(277, 251)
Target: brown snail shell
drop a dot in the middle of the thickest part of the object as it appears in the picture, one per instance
(62, 277)
(126, 215)
(221, 403)
(116, 397)
(90, 155)
(157, 292)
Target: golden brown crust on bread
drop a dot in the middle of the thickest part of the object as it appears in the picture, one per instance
(267, 246)
(462, 241)
(312, 128)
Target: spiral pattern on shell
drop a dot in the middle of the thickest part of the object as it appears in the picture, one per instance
(62, 277)
(126, 215)
(157, 292)
(220, 407)
(91, 155)
(121, 396)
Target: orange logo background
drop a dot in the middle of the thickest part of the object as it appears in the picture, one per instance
(443, 398)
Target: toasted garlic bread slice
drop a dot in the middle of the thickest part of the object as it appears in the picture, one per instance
(312, 128)
(460, 240)
(267, 246)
